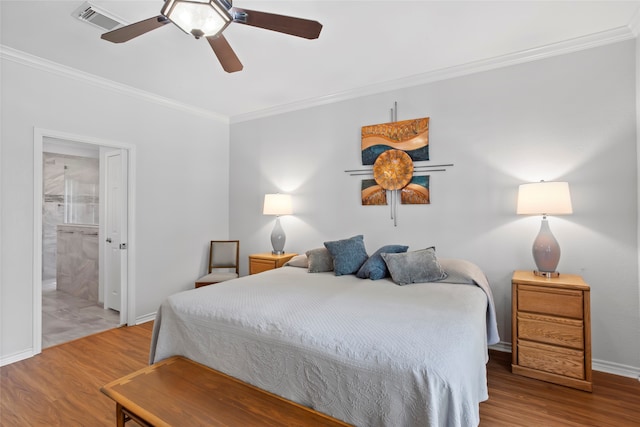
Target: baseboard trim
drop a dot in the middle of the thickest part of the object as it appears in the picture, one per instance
(16, 357)
(501, 346)
(146, 318)
(616, 369)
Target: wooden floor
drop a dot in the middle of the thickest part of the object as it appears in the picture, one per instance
(60, 387)
(519, 401)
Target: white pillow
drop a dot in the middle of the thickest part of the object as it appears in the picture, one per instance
(298, 261)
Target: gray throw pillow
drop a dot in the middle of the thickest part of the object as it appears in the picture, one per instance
(375, 268)
(320, 260)
(348, 254)
(414, 267)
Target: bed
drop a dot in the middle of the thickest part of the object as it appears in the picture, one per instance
(368, 352)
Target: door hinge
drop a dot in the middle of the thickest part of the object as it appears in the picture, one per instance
(123, 246)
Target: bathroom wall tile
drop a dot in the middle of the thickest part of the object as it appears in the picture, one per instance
(77, 261)
(53, 174)
(53, 214)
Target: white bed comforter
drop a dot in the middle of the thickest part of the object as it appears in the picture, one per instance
(371, 353)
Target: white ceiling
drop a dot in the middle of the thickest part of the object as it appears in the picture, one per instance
(364, 46)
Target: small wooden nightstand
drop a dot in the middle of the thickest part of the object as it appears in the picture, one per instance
(551, 329)
(267, 261)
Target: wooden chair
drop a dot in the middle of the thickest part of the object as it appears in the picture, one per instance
(224, 257)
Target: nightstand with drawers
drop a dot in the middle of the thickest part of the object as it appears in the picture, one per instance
(551, 329)
(267, 261)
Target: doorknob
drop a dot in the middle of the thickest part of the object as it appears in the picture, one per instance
(108, 239)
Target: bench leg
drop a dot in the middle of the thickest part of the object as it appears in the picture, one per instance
(121, 417)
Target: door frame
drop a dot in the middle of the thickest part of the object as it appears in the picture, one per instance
(128, 312)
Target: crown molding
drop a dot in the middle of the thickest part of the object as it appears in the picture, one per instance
(573, 45)
(615, 35)
(33, 61)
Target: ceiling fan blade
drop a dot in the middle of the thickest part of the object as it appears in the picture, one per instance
(131, 31)
(224, 52)
(299, 27)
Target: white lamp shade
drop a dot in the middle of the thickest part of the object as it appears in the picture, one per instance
(277, 204)
(544, 198)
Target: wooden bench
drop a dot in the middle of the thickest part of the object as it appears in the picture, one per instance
(180, 392)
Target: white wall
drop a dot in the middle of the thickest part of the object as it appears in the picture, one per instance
(570, 117)
(181, 184)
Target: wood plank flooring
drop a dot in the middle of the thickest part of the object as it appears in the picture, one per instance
(519, 401)
(60, 387)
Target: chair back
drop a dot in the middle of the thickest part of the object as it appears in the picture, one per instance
(224, 254)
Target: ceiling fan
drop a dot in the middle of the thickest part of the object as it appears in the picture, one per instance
(209, 18)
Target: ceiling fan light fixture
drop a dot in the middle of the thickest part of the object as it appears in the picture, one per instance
(209, 18)
(198, 17)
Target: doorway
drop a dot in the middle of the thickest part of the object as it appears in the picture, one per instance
(74, 303)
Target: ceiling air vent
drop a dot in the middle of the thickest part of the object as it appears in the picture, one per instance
(94, 16)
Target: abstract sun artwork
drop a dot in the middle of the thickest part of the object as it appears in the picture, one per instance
(392, 148)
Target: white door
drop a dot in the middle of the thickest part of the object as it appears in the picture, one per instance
(116, 231)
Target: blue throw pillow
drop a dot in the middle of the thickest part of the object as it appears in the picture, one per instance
(348, 254)
(375, 268)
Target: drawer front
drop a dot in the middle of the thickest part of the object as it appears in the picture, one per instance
(551, 330)
(260, 265)
(556, 302)
(557, 360)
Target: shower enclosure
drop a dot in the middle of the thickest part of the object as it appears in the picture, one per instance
(70, 224)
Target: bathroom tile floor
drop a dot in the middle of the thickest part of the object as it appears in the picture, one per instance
(66, 317)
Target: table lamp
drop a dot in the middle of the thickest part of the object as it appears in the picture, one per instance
(277, 204)
(545, 198)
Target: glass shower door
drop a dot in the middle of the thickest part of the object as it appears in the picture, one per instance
(81, 192)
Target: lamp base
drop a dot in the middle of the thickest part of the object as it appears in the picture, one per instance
(277, 238)
(546, 251)
(547, 274)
